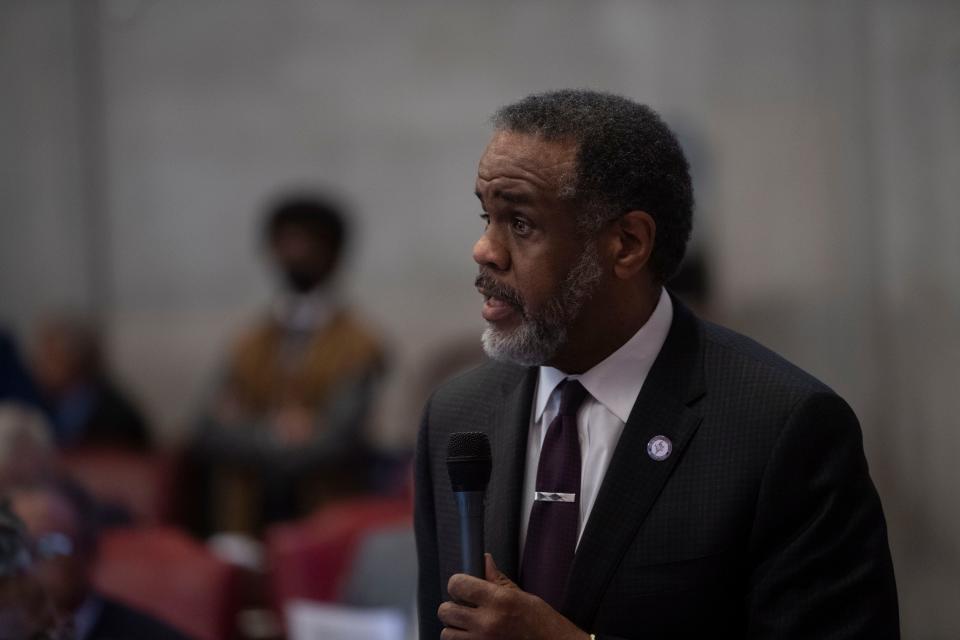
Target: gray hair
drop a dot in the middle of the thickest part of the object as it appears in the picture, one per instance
(627, 160)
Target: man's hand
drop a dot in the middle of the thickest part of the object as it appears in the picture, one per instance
(496, 608)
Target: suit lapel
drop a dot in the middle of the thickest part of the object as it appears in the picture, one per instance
(510, 424)
(634, 480)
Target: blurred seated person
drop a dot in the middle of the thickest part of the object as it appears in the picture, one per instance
(60, 520)
(285, 429)
(16, 384)
(26, 449)
(86, 406)
(26, 610)
(693, 284)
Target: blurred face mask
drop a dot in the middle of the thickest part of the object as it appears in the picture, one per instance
(303, 262)
(299, 279)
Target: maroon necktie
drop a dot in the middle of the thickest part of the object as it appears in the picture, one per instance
(552, 530)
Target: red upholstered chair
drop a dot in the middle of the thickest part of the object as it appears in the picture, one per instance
(310, 559)
(139, 483)
(163, 572)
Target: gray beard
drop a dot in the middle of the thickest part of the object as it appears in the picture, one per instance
(539, 337)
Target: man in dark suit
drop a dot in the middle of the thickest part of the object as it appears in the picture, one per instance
(61, 520)
(654, 475)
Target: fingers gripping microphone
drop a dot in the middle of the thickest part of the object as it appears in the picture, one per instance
(468, 463)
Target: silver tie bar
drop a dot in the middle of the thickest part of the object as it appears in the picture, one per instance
(549, 496)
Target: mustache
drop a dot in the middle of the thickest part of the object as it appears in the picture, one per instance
(489, 286)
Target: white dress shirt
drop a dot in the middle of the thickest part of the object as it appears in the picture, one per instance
(613, 386)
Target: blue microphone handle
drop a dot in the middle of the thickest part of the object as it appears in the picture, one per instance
(470, 507)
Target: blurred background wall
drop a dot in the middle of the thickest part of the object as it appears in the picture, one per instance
(139, 139)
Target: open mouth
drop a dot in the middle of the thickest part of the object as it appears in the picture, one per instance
(496, 309)
(500, 303)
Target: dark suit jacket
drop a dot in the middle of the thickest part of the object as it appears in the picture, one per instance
(762, 523)
(119, 622)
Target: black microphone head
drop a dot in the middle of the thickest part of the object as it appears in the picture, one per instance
(469, 460)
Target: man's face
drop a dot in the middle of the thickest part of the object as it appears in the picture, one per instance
(536, 269)
(304, 260)
(64, 575)
(57, 362)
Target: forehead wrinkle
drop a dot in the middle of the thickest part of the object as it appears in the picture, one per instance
(522, 169)
(525, 170)
(527, 156)
(513, 189)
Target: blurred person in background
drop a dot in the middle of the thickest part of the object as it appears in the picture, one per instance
(86, 406)
(693, 286)
(60, 519)
(26, 611)
(26, 448)
(16, 384)
(285, 429)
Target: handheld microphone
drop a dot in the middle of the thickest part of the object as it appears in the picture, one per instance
(469, 463)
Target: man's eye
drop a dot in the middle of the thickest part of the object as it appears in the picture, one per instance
(486, 219)
(521, 226)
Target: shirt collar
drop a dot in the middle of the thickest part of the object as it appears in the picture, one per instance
(616, 381)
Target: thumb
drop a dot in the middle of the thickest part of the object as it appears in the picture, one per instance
(494, 575)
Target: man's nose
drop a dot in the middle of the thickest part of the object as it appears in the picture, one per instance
(487, 252)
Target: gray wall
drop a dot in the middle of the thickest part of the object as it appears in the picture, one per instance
(139, 139)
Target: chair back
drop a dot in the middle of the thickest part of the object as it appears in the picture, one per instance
(165, 573)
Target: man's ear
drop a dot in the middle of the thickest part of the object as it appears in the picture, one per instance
(633, 236)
